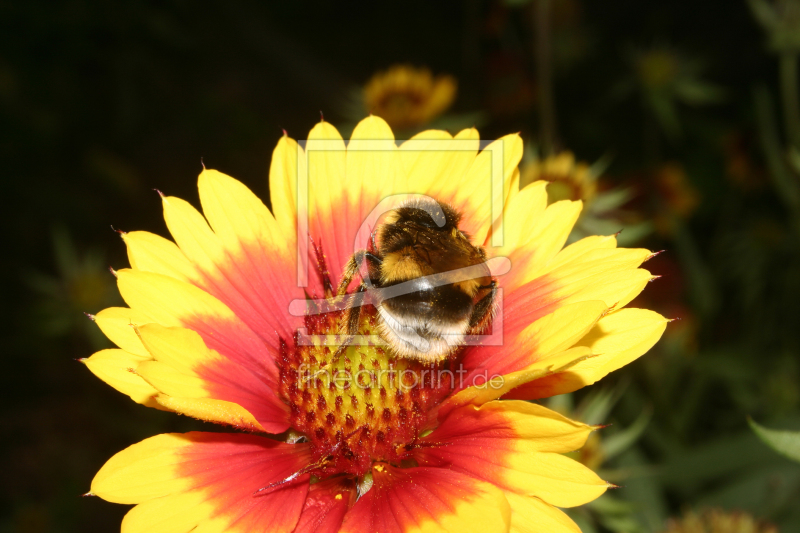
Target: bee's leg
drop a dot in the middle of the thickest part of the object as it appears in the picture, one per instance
(484, 309)
(352, 317)
(353, 266)
(372, 240)
(348, 328)
(351, 320)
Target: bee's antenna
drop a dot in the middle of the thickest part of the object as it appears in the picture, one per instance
(322, 266)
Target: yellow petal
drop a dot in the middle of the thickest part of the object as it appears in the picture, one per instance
(119, 323)
(188, 375)
(325, 160)
(517, 447)
(151, 253)
(555, 478)
(498, 386)
(425, 159)
(238, 217)
(562, 328)
(521, 216)
(283, 185)
(544, 429)
(531, 515)
(604, 274)
(427, 500)
(211, 410)
(179, 348)
(181, 512)
(174, 303)
(371, 163)
(206, 482)
(607, 275)
(617, 339)
(143, 471)
(372, 172)
(435, 162)
(246, 262)
(168, 301)
(488, 513)
(475, 194)
(621, 337)
(545, 240)
(171, 381)
(116, 367)
(324, 169)
(192, 234)
(580, 248)
(176, 352)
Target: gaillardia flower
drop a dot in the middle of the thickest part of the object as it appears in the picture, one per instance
(408, 97)
(361, 440)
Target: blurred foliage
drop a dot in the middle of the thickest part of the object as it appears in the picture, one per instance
(687, 114)
(786, 443)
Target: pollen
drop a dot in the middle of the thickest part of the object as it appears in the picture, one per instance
(360, 406)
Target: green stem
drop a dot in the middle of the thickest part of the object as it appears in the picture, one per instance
(789, 92)
(783, 179)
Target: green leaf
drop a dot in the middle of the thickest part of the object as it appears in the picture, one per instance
(665, 113)
(764, 13)
(606, 201)
(786, 443)
(595, 407)
(619, 442)
(768, 490)
(694, 92)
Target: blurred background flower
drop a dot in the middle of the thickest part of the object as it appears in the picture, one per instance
(717, 521)
(408, 97)
(568, 179)
(677, 123)
(82, 281)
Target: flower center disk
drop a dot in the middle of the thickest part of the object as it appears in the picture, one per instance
(363, 406)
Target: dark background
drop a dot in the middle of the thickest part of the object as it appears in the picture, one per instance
(101, 102)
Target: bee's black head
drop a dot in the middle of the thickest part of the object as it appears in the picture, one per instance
(412, 221)
(427, 213)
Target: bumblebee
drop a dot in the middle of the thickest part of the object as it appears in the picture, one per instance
(433, 285)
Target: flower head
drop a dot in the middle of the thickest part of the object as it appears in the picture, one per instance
(229, 324)
(568, 179)
(407, 97)
(718, 521)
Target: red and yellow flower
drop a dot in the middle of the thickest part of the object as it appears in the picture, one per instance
(208, 334)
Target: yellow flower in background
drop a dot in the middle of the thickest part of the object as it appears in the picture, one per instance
(657, 68)
(208, 333)
(408, 97)
(568, 179)
(718, 521)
